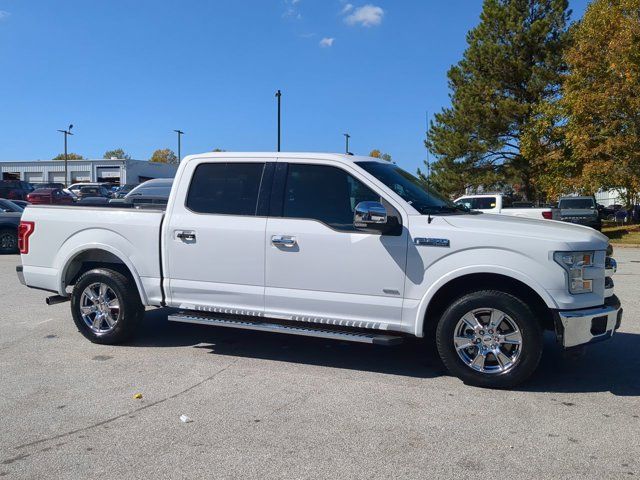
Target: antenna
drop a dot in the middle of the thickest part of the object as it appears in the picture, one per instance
(429, 219)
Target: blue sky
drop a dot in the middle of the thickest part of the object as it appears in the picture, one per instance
(126, 74)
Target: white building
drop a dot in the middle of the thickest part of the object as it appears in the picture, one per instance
(608, 198)
(114, 171)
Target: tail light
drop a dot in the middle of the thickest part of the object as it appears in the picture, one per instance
(25, 229)
(547, 215)
(29, 198)
(13, 195)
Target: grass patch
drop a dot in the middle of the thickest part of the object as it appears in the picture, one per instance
(629, 234)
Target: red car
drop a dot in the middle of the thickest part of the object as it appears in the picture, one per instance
(49, 196)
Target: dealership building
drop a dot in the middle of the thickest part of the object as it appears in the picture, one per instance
(113, 171)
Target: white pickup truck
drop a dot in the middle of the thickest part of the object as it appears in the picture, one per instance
(503, 205)
(332, 246)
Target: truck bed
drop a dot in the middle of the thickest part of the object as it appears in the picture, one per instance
(62, 233)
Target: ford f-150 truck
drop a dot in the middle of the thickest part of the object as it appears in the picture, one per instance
(503, 205)
(332, 246)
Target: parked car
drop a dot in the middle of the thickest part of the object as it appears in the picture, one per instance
(332, 246)
(48, 185)
(92, 191)
(152, 192)
(498, 203)
(76, 188)
(10, 214)
(49, 196)
(124, 190)
(14, 189)
(580, 210)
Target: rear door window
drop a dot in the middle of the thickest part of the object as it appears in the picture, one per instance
(225, 188)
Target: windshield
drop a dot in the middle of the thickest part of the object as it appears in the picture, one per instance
(577, 203)
(412, 190)
(8, 206)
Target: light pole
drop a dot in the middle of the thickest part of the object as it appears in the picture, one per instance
(346, 147)
(66, 133)
(180, 133)
(278, 95)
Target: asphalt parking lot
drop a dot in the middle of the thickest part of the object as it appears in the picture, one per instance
(275, 406)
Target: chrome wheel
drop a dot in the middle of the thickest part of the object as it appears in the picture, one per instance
(100, 307)
(488, 340)
(8, 241)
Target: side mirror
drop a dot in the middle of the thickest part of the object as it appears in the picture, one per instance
(369, 214)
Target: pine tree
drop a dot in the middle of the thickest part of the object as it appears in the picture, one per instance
(513, 62)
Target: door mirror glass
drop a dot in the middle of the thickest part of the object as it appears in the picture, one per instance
(369, 214)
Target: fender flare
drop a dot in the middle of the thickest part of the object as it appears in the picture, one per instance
(75, 252)
(469, 270)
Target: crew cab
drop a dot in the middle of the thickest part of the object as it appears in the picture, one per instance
(503, 205)
(332, 246)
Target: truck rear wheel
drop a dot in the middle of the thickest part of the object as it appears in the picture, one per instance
(489, 339)
(106, 306)
(8, 241)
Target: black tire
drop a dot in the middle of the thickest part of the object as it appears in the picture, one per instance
(130, 310)
(8, 241)
(530, 349)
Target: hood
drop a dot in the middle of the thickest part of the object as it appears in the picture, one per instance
(574, 236)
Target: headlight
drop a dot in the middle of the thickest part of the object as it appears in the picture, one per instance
(575, 264)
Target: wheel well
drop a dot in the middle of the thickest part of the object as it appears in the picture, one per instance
(485, 281)
(94, 258)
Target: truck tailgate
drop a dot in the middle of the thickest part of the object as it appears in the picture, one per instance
(62, 233)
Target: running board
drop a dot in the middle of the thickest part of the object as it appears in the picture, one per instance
(247, 324)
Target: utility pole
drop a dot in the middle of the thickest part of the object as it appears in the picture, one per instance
(66, 133)
(346, 147)
(278, 95)
(180, 133)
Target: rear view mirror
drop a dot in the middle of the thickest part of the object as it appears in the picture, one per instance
(369, 214)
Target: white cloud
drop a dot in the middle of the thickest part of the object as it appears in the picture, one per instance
(4, 14)
(367, 16)
(326, 42)
(291, 9)
(346, 9)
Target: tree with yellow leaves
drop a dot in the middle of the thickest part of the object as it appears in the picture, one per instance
(601, 99)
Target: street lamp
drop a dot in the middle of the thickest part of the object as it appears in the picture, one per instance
(180, 133)
(66, 133)
(278, 95)
(346, 148)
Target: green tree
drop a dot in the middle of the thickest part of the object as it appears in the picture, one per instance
(164, 155)
(118, 153)
(70, 156)
(601, 98)
(512, 63)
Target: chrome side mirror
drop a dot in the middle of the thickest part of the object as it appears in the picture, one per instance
(368, 214)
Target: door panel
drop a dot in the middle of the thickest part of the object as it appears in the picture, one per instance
(334, 275)
(318, 265)
(214, 243)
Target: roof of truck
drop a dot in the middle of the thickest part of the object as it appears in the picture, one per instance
(341, 157)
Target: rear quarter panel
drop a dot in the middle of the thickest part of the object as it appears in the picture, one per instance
(62, 233)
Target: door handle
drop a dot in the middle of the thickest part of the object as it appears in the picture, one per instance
(186, 236)
(284, 241)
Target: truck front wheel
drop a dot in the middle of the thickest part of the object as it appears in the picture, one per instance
(106, 306)
(489, 339)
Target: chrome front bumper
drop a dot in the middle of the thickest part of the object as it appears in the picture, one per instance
(579, 327)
